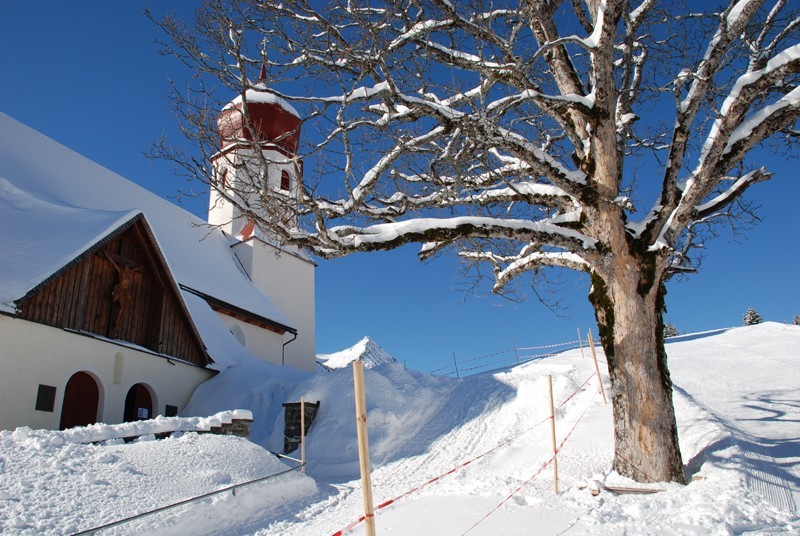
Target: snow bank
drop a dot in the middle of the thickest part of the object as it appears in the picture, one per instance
(49, 484)
(399, 404)
(254, 385)
(486, 437)
(99, 432)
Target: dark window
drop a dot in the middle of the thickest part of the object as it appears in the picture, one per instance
(170, 411)
(46, 398)
(286, 181)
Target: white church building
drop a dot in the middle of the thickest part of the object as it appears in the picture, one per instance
(116, 304)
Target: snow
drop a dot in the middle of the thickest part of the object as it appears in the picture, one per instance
(593, 40)
(53, 486)
(366, 350)
(460, 455)
(386, 232)
(32, 251)
(745, 129)
(259, 93)
(249, 383)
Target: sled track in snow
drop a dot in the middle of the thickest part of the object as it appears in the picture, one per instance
(764, 471)
(764, 478)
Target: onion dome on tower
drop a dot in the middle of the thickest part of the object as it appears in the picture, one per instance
(272, 119)
(240, 180)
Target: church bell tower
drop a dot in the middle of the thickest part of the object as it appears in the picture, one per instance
(256, 171)
(257, 176)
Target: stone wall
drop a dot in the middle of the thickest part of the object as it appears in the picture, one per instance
(291, 429)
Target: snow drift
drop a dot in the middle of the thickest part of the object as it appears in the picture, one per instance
(458, 455)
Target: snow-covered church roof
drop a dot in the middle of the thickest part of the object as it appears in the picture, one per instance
(55, 204)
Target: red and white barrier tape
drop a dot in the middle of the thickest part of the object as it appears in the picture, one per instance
(384, 504)
(537, 473)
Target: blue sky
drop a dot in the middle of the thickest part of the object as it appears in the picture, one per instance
(89, 75)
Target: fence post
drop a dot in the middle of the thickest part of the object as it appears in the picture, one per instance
(303, 434)
(580, 342)
(597, 368)
(456, 365)
(516, 350)
(363, 445)
(553, 430)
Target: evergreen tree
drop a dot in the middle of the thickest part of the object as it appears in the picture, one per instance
(670, 330)
(796, 320)
(751, 317)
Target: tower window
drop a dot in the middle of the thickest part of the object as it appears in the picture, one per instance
(286, 181)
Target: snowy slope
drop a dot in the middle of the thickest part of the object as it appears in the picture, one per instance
(486, 437)
(368, 351)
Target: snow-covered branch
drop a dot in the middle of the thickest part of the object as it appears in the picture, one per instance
(506, 268)
(731, 194)
(431, 121)
(341, 240)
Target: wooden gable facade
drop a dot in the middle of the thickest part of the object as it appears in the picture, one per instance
(119, 289)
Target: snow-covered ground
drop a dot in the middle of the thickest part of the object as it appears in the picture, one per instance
(737, 402)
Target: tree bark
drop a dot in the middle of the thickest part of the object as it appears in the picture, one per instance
(628, 304)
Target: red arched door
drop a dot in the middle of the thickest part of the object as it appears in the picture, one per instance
(138, 404)
(81, 400)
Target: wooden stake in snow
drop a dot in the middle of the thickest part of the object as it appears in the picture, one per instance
(580, 342)
(553, 430)
(303, 434)
(363, 445)
(516, 350)
(597, 368)
(456, 365)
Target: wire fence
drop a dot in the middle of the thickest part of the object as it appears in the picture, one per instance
(510, 356)
(232, 489)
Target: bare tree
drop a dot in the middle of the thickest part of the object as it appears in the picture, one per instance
(522, 135)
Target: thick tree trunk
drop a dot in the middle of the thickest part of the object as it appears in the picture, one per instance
(628, 304)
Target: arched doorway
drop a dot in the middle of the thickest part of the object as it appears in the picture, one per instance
(138, 403)
(81, 401)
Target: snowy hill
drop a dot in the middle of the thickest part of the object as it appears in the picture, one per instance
(367, 350)
(454, 456)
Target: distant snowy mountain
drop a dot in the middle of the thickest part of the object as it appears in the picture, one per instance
(367, 350)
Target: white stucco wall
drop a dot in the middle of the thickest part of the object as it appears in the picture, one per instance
(32, 354)
(288, 280)
(262, 343)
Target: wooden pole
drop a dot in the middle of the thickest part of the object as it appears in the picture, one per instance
(455, 365)
(303, 434)
(516, 351)
(553, 430)
(597, 368)
(580, 342)
(363, 445)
